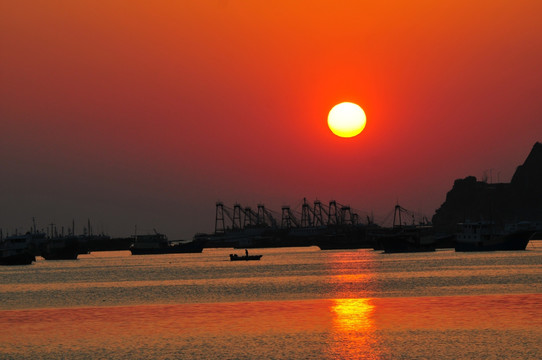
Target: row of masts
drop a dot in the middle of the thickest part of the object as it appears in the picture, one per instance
(399, 219)
(316, 215)
(52, 230)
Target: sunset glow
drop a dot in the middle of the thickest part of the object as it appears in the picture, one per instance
(147, 113)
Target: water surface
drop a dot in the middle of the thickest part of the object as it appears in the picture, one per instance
(295, 303)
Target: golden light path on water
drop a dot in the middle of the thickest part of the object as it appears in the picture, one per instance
(354, 329)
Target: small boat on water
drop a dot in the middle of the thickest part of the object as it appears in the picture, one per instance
(235, 257)
(159, 244)
(487, 236)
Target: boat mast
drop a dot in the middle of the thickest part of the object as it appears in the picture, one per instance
(397, 215)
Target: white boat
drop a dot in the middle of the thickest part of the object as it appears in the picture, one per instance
(487, 236)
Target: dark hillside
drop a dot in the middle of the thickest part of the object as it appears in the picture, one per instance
(519, 200)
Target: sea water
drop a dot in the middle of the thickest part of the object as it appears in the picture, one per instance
(295, 303)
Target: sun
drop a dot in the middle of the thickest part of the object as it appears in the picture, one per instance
(346, 119)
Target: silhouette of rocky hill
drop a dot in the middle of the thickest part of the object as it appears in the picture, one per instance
(519, 200)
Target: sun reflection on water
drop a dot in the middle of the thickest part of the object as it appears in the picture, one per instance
(354, 331)
(352, 314)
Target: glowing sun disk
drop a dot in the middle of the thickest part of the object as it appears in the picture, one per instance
(346, 119)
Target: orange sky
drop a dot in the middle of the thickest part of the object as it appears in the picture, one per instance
(137, 112)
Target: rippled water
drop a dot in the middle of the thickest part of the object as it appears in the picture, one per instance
(298, 303)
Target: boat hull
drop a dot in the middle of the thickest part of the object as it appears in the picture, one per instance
(234, 257)
(347, 237)
(403, 245)
(61, 249)
(510, 242)
(61, 254)
(405, 240)
(176, 249)
(18, 259)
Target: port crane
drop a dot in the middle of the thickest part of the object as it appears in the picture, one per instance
(239, 217)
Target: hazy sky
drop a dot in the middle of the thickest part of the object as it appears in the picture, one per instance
(148, 112)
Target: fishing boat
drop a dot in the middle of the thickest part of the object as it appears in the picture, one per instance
(159, 244)
(235, 257)
(406, 239)
(488, 236)
(17, 250)
(347, 236)
(402, 238)
(62, 248)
